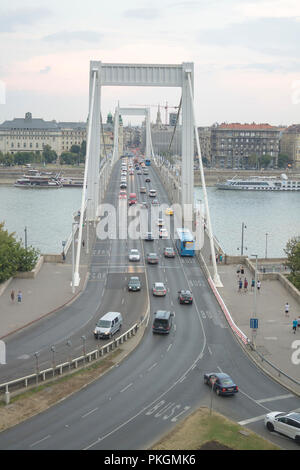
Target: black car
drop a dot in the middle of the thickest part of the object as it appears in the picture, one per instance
(222, 384)
(185, 297)
(134, 284)
(152, 258)
(147, 180)
(149, 237)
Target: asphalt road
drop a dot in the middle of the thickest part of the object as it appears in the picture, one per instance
(161, 382)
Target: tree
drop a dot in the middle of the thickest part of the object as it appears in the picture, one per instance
(292, 251)
(69, 158)
(13, 256)
(283, 160)
(264, 161)
(21, 158)
(49, 155)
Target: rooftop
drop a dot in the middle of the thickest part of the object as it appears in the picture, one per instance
(253, 126)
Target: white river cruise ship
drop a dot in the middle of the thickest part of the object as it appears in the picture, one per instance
(260, 183)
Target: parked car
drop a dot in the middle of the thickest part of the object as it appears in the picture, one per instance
(185, 297)
(134, 284)
(159, 289)
(287, 424)
(169, 252)
(152, 258)
(134, 255)
(222, 383)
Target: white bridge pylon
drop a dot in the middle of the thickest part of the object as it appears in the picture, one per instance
(157, 75)
(132, 112)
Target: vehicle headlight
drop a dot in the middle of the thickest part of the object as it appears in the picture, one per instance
(95, 331)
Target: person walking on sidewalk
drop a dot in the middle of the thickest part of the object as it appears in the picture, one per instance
(286, 309)
(295, 323)
(19, 296)
(245, 285)
(258, 285)
(252, 284)
(240, 285)
(12, 295)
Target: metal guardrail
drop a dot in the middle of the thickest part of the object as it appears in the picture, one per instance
(58, 370)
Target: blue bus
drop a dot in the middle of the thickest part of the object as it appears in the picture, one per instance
(185, 242)
(148, 162)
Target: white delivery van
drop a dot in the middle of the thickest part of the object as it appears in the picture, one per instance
(108, 325)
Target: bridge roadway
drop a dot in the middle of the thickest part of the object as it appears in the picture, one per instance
(161, 381)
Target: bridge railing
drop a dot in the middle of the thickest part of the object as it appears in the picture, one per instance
(38, 377)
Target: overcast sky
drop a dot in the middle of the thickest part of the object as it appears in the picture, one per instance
(245, 53)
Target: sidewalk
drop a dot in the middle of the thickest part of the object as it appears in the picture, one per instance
(274, 337)
(49, 291)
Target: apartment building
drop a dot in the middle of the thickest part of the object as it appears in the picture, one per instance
(290, 144)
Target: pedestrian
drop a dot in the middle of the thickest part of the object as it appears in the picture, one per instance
(245, 285)
(240, 285)
(238, 272)
(258, 285)
(221, 258)
(242, 270)
(19, 296)
(252, 284)
(286, 309)
(295, 323)
(217, 258)
(63, 256)
(12, 295)
(83, 243)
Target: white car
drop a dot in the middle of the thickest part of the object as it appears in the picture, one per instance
(160, 222)
(287, 424)
(163, 233)
(134, 255)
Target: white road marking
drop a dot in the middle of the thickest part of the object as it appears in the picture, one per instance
(251, 420)
(123, 390)
(169, 347)
(41, 440)
(270, 337)
(279, 397)
(90, 412)
(152, 367)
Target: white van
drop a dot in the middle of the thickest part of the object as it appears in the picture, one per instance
(152, 193)
(108, 325)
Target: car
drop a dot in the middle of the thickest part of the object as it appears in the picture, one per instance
(287, 424)
(152, 258)
(138, 172)
(169, 211)
(162, 322)
(149, 237)
(221, 383)
(131, 173)
(147, 180)
(155, 202)
(134, 255)
(169, 252)
(145, 172)
(123, 185)
(134, 284)
(144, 205)
(132, 202)
(152, 193)
(159, 289)
(163, 233)
(185, 297)
(143, 189)
(123, 195)
(160, 222)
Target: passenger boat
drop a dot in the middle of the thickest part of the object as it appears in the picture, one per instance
(72, 182)
(261, 183)
(38, 181)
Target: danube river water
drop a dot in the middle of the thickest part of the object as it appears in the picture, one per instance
(48, 215)
(274, 214)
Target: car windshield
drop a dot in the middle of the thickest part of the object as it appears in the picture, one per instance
(226, 381)
(159, 287)
(134, 252)
(160, 322)
(103, 323)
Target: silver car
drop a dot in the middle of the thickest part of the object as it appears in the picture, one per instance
(134, 255)
(159, 289)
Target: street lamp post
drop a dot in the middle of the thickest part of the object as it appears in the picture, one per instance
(266, 250)
(36, 354)
(242, 243)
(73, 257)
(255, 296)
(69, 344)
(25, 230)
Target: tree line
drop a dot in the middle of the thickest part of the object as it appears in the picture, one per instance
(14, 256)
(74, 156)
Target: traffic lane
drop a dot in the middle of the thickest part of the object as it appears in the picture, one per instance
(117, 298)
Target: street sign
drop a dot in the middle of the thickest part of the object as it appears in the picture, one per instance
(254, 323)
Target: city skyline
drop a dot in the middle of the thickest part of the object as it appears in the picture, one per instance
(245, 56)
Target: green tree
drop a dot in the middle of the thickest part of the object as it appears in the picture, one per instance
(13, 256)
(69, 158)
(21, 158)
(292, 251)
(264, 161)
(283, 160)
(48, 154)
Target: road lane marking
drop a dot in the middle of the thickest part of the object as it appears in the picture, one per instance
(251, 420)
(152, 367)
(89, 412)
(123, 390)
(279, 397)
(41, 440)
